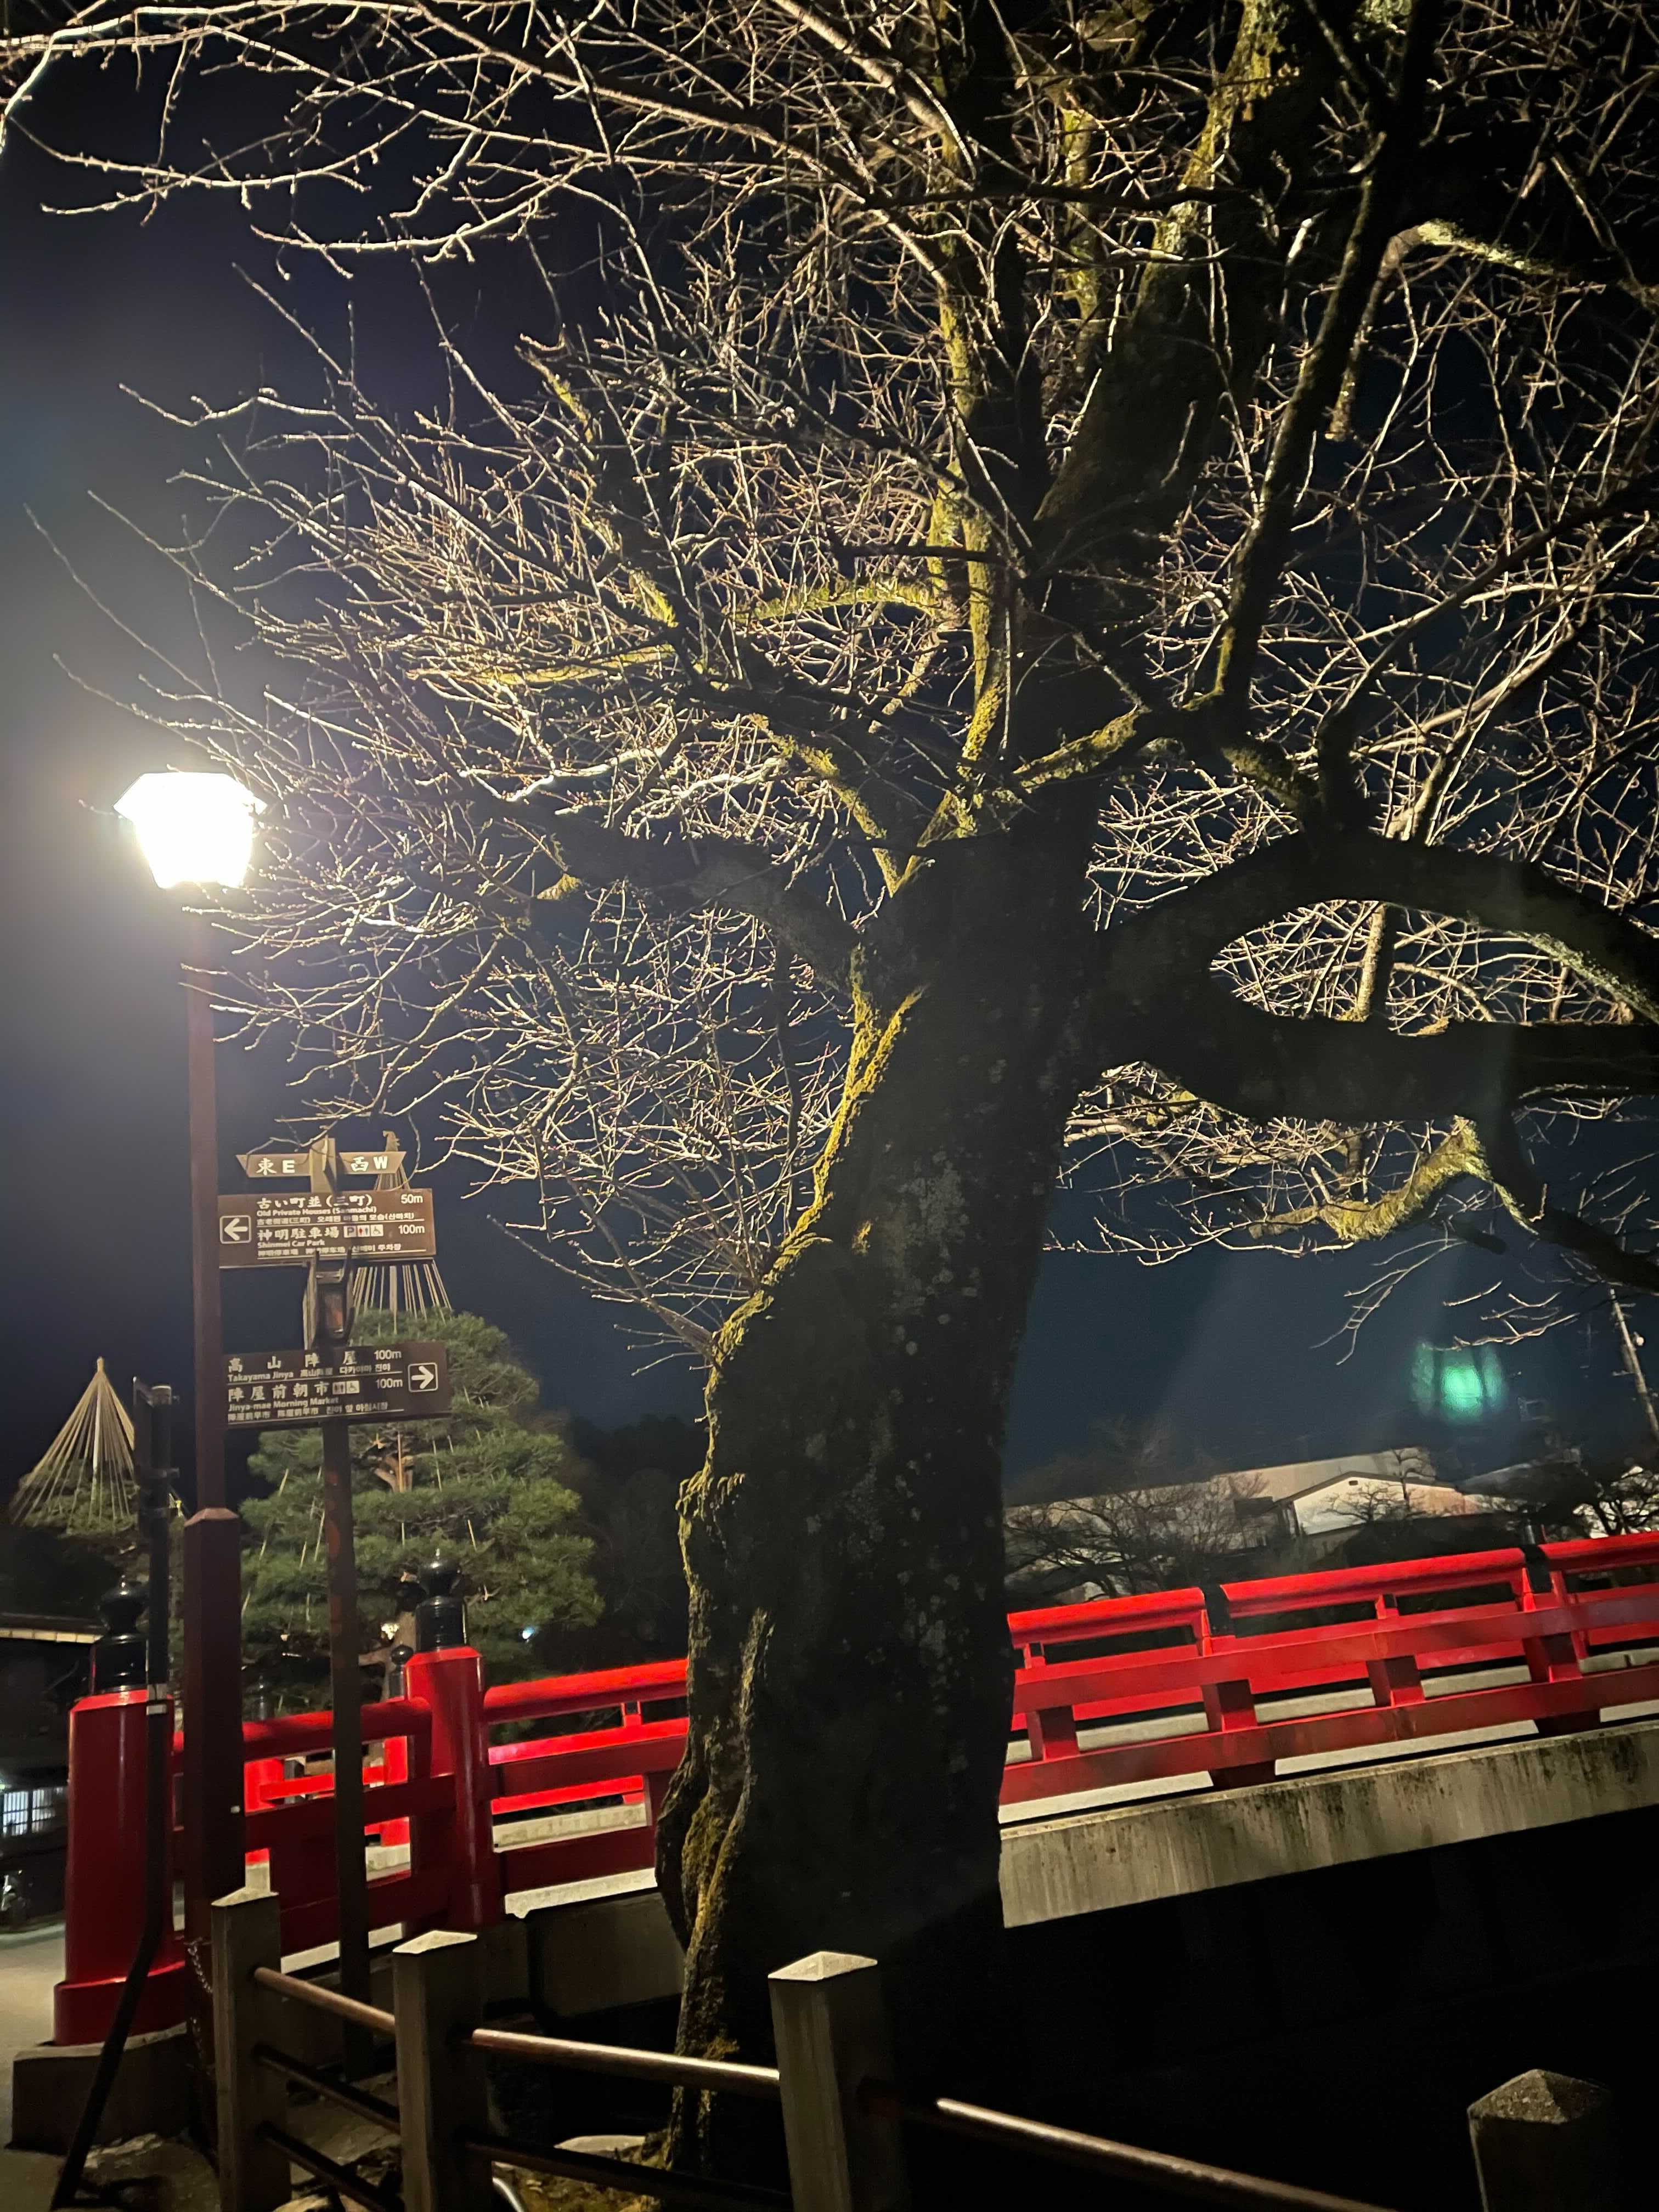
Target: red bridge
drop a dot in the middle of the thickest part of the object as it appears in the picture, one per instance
(1125, 1698)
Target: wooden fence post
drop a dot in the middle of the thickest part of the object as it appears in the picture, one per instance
(1543, 2142)
(437, 1995)
(248, 1932)
(831, 2027)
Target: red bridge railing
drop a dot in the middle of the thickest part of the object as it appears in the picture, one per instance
(1428, 1649)
(1161, 1688)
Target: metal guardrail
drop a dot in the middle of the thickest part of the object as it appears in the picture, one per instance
(683, 2072)
(349, 2009)
(1159, 2171)
(439, 2117)
(347, 2094)
(678, 2068)
(845, 2122)
(338, 2177)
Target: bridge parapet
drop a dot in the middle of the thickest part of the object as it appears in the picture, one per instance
(1161, 1693)
(1353, 1660)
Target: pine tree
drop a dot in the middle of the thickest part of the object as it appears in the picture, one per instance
(491, 1485)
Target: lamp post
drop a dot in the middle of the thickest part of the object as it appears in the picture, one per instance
(196, 831)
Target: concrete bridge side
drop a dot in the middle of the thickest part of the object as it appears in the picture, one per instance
(1169, 1847)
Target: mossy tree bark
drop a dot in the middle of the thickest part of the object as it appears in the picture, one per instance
(850, 1667)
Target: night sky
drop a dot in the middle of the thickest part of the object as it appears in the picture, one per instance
(93, 1221)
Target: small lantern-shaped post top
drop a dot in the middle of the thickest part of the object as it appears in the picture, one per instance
(441, 1618)
(118, 1656)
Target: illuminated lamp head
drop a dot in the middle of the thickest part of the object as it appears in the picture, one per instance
(194, 827)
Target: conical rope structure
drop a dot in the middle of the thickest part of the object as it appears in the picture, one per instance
(84, 1479)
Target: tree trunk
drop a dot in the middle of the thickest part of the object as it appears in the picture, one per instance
(850, 1667)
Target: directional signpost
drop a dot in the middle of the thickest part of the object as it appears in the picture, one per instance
(269, 1166)
(341, 1382)
(289, 1228)
(333, 1383)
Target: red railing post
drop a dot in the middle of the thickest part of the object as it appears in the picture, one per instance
(104, 1883)
(1229, 1704)
(654, 1785)
(394, 1750)
(394, 1767)
(1552, 1658)
(262, 1781)
(1050, 1730)
(450, 1684)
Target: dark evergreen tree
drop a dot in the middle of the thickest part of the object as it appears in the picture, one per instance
(631, 1480)
(492, 1485)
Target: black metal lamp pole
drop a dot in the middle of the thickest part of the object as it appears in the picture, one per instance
(195, 828)
(212, 1671)
(328, 1318)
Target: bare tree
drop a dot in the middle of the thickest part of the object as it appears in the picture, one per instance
(1568, 1490)
(1064, 595)
(1137, 1537)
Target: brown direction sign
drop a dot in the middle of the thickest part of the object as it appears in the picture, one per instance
(263, 1166)
(386, 1161)
(337, 1382)
(286, 1228)
(273, 1166)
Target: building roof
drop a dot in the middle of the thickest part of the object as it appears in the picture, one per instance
(1282, 1486)
(47, 1628)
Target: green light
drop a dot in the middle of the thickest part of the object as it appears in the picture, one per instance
(1425, 1397)
(1462, 1395)
(1460, 1382)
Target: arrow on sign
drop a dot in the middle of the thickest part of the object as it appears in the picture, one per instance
(283, 1227)
(336, 1383)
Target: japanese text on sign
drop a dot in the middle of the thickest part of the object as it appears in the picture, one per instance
(285, 1228)
(352, 1383)
(272, 1166)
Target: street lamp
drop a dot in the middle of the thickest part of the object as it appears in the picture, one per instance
(195, 829)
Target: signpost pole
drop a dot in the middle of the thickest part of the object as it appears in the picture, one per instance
(212, 1669)
(328, 1320)
(332, 1383)
(345, 1686)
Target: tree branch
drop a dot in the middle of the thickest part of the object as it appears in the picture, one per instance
(1357, 1221)
(693, 873)
(1182, 936)
(1527, 1198)
(1268, 1067)
(1262, 555)
(1147, 426)
(1160, 1000)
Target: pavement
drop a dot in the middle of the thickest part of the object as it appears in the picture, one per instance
(30, 1961)
(145, 2175)
(154, 2176)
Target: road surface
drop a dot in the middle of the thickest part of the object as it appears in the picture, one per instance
(30, 1963)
